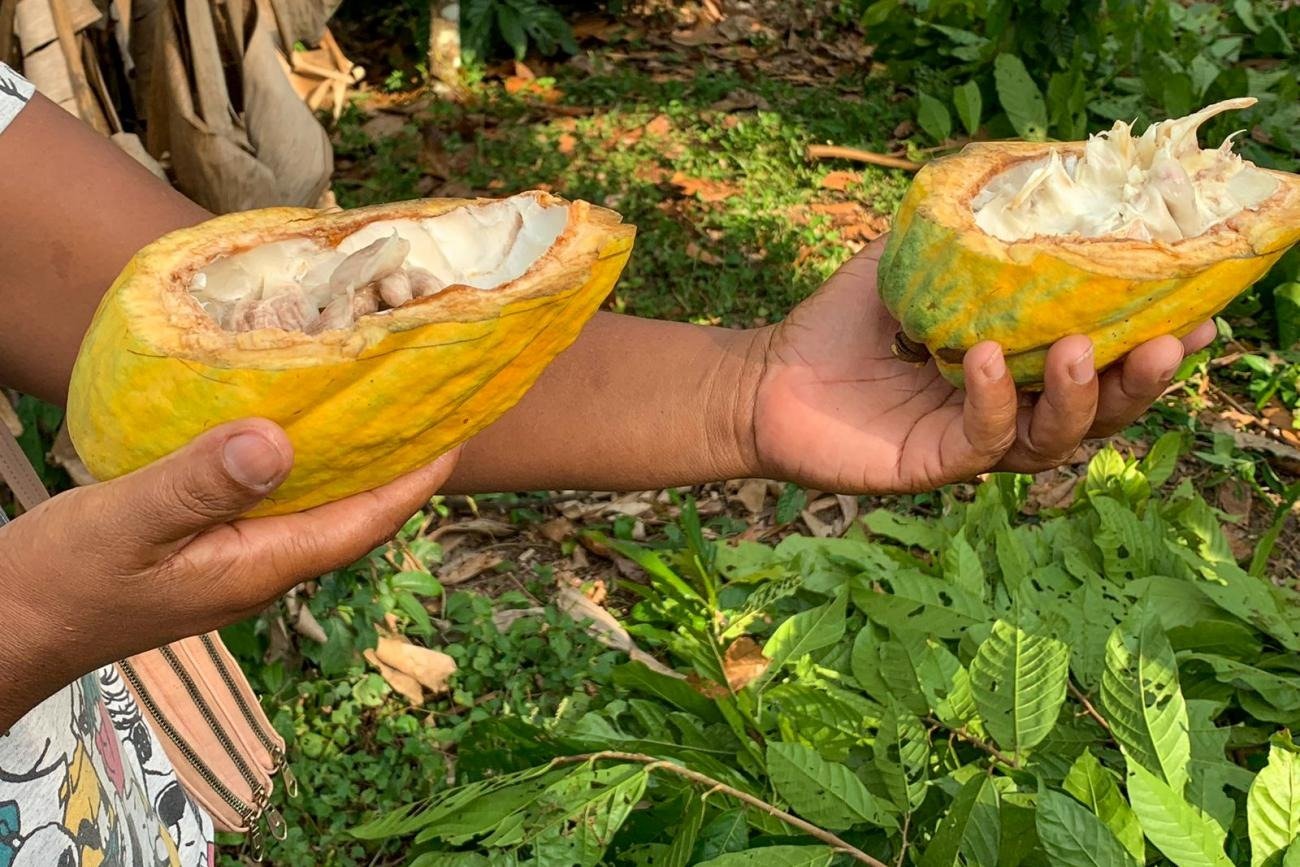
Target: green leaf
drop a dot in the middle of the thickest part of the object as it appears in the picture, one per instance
(1098, 790)
(1020, 97)
(421, 583)
(970, 826)
(775, 856)
(1019, 684)
(825, 793)
(1273, 806)
(1161, 460)
(688, 831)
(961, 566)
(1143, 702)
(970, 105)
(450, 859)
(1074, 837)
(790, 503)
(913, 531)
(902, 754)
(726, 832)
(803, 633)
(1204, 73)
(1286, 303)
(1184, 835)
(933, 117)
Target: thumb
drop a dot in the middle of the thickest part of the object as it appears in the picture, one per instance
(213, 479)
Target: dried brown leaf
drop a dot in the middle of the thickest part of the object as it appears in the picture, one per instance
(467, 567)
(432, 668)
(403, 684)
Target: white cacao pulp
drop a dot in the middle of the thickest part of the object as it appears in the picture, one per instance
(303, 284)
(1160, 186)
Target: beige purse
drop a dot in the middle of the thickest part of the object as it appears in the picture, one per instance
(209, 721)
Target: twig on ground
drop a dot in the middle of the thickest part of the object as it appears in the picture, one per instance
(835, 152)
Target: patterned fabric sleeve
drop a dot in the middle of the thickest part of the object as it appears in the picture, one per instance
(14, 93)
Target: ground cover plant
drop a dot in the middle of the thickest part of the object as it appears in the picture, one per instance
(1095, 665)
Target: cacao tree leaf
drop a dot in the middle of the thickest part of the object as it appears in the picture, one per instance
(970, 826)
(901, 754)
(775, 856)
(1204, 73)
(1074, 837)
(1020, 97)
(1292, 858)
(864, 662)
(1097, 789)
(687, 833)
(451, 859)
(933, 117)
(1162, 459)
(970, 106)
(1143, 701)
(726, 832)
(1273, 806)
(804, 633)
(825, 793)
(1185, 836)
(961, 566)
(1209, 771)
(1019, 682)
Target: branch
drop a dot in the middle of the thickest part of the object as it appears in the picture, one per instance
(653, 764)
(835, 152)
(1087, 706)
(963, 734)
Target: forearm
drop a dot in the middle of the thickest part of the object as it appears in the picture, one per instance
(633, 404)
(75, 209)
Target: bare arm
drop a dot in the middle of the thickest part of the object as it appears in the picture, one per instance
(74, 208)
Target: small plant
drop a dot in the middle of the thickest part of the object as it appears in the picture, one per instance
(519, 24)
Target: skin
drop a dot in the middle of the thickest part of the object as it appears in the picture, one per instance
(108, 570)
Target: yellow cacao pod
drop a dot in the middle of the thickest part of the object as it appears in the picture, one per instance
(1123, 238)
(378, 338)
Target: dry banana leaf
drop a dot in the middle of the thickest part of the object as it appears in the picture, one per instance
(250, 145)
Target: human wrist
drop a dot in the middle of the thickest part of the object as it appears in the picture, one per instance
(732, 401)
(30, 657)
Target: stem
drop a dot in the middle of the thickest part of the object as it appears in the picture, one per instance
(859, 155)
(902, 849)
(962, 734)
(653, 764)
(1087, 706)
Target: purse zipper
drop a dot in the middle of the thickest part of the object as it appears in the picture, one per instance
(277, 754)
(261, 797)
(250, 813)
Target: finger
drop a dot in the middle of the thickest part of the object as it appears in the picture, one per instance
(1202, 337)
(1129, 389)
(213, 479)
(988, 419)
(258, 559)
(1062, 416)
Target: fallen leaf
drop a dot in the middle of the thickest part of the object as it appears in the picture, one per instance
(432, 668)
(840, 181)
(743, 662)
(480, 526)
(384, 125)
(1234, 498)
(694, 251)
(557, 529)
(752, 495)
(705, 190)
(467, 567)
(740, 100)
(63, 453)
(659, 126)
(605, 628)
(402, 684)
(567, 144)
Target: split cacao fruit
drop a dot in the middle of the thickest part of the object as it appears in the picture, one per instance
(378, 338)
(1122, 237)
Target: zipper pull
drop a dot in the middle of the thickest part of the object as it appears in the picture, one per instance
(290, 781)
(275, 822)
(256, 840)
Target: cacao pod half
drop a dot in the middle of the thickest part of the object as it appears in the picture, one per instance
(1122, 238)
(378, 338)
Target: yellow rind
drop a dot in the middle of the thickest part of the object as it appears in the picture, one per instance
(951, 285)
(361, 407)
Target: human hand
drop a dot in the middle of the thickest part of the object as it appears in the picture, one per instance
(834, 409)
(105, 571)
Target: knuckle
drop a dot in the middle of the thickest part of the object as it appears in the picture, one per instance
(192, 495)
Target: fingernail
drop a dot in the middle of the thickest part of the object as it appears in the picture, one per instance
(252, 460)
(995, 368)
(1081, 369)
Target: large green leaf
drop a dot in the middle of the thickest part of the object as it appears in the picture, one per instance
(1021, 98)
(1183, 834)
(902, 755)
(1143, 701)
(725, 832)
(1098, 790)
(688, 831)
(805, 632)
(970, 827)
(1074, 837)
(1019, 684)
(1273, 806)
(825, 793)
(775, 856)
